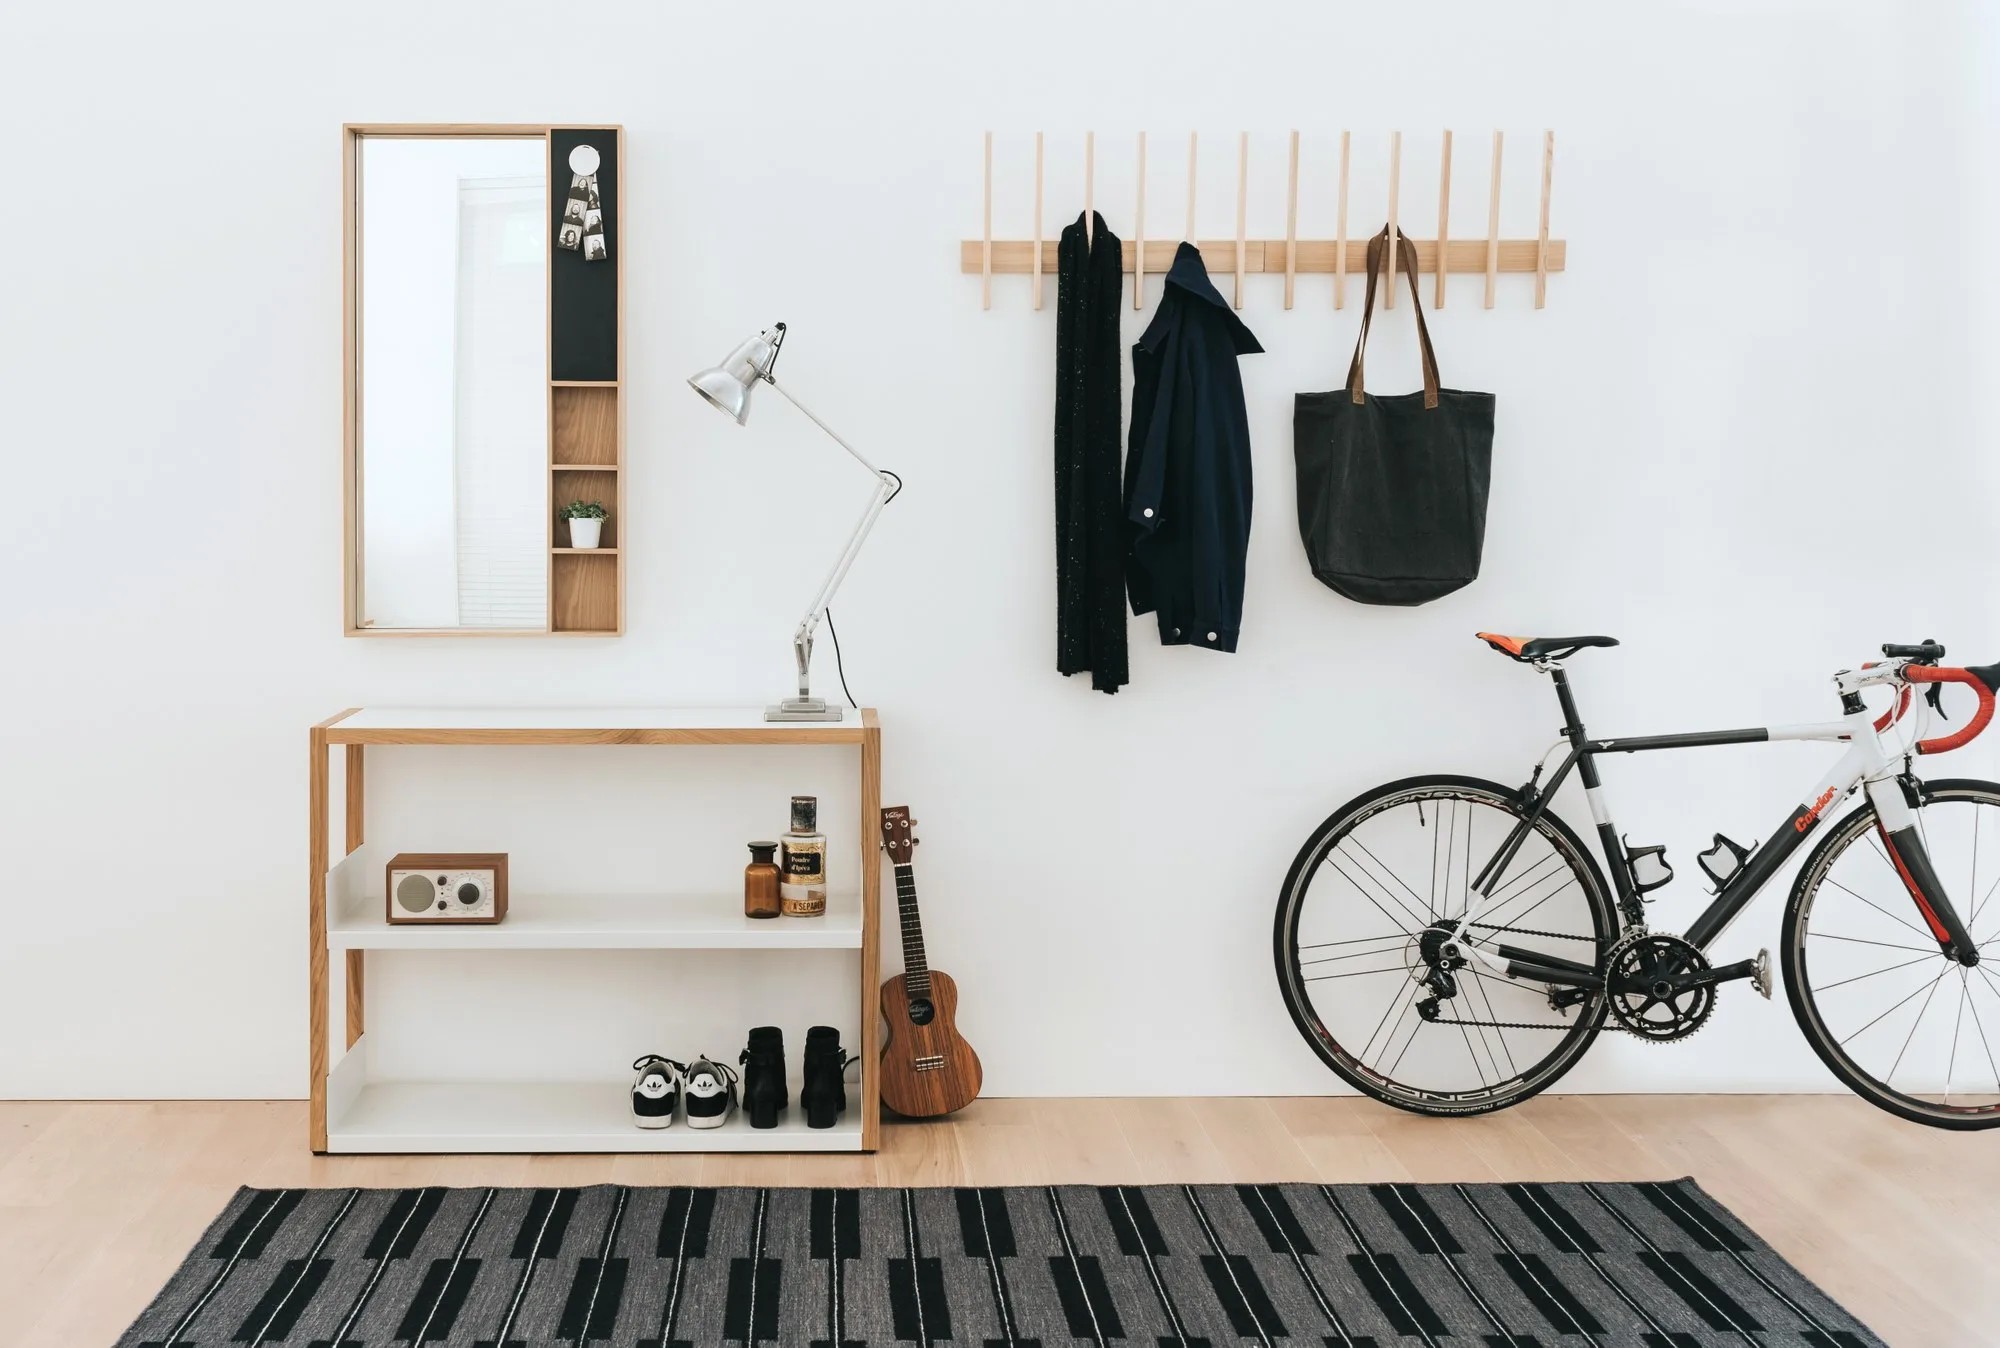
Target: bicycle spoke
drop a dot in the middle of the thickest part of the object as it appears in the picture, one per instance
(1391, 874)
(1877, 907)
(1856, 940)
(1957, 1025)
(1984, 1043)
(1892, 1010)
(1874, 974)
(1402, 1001)
(1356, 955)
(1368, 896)
(1915, 1023)
(1522, 916)
(1355, 862)
(1487, 998)
(1403, 969)
(1359, 940)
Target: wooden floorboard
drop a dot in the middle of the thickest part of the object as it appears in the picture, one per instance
(100, 1201)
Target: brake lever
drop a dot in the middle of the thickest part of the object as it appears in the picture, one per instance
(1934, 694)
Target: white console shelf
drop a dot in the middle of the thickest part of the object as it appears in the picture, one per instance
(350, 1112)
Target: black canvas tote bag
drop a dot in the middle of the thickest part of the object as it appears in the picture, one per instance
(1392, 491)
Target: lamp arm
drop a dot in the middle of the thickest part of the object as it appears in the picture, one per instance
(886, 487)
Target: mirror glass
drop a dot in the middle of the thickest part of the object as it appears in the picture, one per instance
(452, 454)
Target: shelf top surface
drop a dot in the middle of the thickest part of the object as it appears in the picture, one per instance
(587, 725)
(599, 922)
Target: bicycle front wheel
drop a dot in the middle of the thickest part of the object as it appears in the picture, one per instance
(1902, 1026)
(1362, 890)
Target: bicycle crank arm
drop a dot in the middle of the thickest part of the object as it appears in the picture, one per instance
(1721, 973)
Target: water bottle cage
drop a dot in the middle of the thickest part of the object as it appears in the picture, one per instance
(1648, 868)
(1722, 861)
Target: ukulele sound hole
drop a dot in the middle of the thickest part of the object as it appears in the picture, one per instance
(921, 1011)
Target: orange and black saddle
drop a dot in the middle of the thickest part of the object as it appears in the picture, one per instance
(1541, 648)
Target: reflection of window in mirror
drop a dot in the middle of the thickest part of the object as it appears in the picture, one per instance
(452, 389)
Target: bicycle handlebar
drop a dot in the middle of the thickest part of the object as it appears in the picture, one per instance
(1973, 679)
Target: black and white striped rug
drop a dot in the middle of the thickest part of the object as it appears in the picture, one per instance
(1656, 1265)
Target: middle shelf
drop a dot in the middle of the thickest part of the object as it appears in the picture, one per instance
(604, 922)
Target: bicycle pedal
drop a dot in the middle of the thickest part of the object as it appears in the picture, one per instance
(1760, 978)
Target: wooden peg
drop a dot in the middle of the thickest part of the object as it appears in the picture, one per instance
(1242, 200)
(1493, 224)
(986, 234)
(1036, 267)
(1395, 176)
(1139, 233)
(1193, 137)
(1292, 221)
(1542, 236)
(1444, 220)
(1089, 186)
(1340, 236)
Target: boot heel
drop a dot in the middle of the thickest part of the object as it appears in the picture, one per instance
(822, 1114)
(764, 1114)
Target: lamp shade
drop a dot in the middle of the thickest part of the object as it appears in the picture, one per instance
(728, 385)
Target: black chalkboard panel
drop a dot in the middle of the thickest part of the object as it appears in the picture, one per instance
(583, 296)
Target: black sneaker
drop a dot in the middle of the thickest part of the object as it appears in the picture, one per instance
(710, 1090)
(656, 1091)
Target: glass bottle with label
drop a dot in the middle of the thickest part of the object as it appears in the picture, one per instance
(803, 884)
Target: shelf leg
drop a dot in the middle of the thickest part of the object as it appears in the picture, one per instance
(316, 960)
(871, 931)
(357, 999)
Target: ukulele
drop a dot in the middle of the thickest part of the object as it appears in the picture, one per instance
(927, 1069)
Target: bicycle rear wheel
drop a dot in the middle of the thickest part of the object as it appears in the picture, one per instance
(1358, 897)
(1902, 1026)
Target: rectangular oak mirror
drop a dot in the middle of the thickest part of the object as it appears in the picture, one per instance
(483, 390)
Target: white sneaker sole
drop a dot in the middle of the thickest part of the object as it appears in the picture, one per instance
(666, 1122)
(715, 1122)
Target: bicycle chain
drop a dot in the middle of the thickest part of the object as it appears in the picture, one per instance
(1610, 1024)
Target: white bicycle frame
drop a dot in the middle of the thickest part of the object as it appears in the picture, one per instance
(1867, 765)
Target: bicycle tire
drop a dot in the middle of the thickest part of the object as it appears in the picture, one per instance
(1285, 952)
(1853, 826)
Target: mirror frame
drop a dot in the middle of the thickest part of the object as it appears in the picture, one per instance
(586, 590)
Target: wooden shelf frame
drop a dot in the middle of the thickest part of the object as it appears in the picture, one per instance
(586, 417)
(552, 1116)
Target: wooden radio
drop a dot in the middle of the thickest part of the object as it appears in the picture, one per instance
(447, 887)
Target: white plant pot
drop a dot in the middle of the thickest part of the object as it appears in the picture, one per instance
(585, 533)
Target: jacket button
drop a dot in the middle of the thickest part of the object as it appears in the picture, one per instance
(1149, 514)
(1211, 636)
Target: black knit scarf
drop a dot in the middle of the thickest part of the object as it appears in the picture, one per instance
(1090, 532)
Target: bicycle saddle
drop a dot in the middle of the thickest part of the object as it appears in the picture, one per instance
(1541, 648)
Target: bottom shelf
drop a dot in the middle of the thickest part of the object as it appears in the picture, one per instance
(412, 1116)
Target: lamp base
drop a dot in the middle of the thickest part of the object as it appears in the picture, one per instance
(804, 709)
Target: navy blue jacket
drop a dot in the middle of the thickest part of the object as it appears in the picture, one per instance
(1187, 466)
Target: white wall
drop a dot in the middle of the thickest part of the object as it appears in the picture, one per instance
(1770, 349)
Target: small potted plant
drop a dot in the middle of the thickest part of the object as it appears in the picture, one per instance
(586, 523)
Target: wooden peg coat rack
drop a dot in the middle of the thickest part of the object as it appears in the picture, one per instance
(1243, 256)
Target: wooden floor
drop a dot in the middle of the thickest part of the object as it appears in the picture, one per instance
(99, 1201)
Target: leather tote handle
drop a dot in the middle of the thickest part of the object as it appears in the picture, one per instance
(1376, 248)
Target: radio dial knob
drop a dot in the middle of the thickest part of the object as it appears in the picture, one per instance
(468, 893)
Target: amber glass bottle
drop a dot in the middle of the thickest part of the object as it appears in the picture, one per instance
(761, 881)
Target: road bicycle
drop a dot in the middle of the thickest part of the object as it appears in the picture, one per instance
(1448, 945)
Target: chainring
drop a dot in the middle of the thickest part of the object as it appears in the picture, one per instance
(1640, 976)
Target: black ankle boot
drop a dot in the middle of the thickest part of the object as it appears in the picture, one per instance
(763, 1060)
(824, 1092)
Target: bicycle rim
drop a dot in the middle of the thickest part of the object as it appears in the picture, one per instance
(1904, 1027)
(1349, 920)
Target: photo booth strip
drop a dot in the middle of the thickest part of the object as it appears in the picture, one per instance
(582, 227)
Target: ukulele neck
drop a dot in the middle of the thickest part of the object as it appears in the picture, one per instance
(916, 969)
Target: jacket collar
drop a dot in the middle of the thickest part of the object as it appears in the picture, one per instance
(1189, 274)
